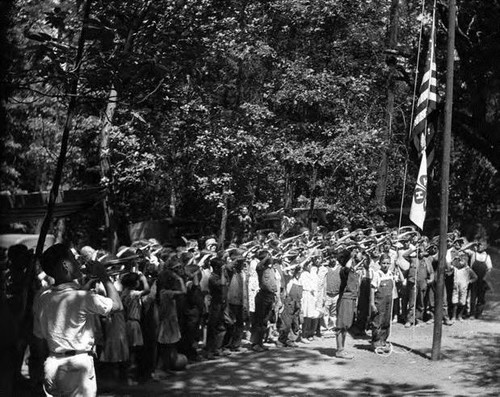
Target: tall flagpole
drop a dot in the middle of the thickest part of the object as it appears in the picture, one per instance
(445, 179)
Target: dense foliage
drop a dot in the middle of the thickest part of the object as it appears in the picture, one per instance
(231, 102)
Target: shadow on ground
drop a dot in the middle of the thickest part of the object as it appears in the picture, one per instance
(480, 362)
(275, 373)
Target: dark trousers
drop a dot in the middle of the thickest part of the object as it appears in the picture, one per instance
(431, 293)
(363, 307)
(216, 328)
(307, 325)
(7, 370)
(316, 327)
(416, 301)
(478, 291)
(168, 354)
(264, 303)
(448, 287)
(311, 327)
(190, 332)
(38, 354)
(149, 326)
(234, 333)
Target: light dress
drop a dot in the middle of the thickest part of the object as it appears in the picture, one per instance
(132, 304)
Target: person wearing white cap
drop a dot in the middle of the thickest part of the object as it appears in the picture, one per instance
(211, 244)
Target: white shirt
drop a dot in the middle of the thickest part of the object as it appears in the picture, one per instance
(379, 276)
(63, 317)
(205, 276)
(291, 283)
(401, 261)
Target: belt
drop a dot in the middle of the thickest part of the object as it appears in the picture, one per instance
(70, 353)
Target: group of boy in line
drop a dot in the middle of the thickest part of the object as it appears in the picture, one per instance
(152, 306)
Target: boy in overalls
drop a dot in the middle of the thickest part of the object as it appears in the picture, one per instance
(481, 264)
(381, 296)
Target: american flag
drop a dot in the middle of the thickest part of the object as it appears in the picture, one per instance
(422, 133)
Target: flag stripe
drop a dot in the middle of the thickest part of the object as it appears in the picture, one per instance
(427, 100)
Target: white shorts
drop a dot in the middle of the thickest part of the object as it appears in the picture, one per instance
(459, 294)
(70, 376)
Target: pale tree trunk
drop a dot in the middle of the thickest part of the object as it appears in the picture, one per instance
(223, 222)
(173, 201)
(289, 188)
(106, 174)
(73, 91)
(60, 230)
(380, 192)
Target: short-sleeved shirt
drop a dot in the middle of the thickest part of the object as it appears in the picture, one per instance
(62, 316)
(420, 270)
(380, 276)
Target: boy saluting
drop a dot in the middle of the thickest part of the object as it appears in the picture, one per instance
(349, 286)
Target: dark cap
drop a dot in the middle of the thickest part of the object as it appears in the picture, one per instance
(53, 256)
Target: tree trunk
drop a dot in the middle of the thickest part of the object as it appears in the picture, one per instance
(106, 175)
(223, 222)
(54, 191)
(61, 230)
(173, 201)
(313, 197)
(289, 187)
(380, 192)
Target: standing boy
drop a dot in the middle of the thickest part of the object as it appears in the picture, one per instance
(381, 299)
(349, 286)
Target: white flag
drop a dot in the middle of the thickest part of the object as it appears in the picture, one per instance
(419, 201)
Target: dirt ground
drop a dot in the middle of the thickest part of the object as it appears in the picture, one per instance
(470, 365)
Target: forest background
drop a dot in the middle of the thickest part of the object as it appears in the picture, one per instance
(191, 108)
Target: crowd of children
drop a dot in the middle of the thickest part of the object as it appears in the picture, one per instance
(185, 304)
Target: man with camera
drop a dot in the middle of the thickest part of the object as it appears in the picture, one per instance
(63, 319)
